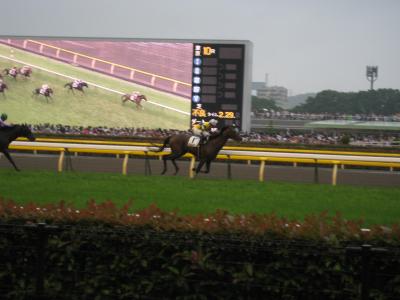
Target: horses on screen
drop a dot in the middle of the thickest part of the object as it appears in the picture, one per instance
(134, 97)
(46, 92)
(9, 134)
(79, 86)
(204, 154)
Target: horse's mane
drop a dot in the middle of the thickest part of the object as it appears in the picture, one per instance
(220, 133)
(6, 128)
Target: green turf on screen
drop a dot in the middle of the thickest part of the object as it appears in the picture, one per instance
(98, 107)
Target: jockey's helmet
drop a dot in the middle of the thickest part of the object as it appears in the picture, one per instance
(3, 116)
(213, 122)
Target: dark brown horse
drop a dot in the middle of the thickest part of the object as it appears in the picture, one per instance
(77, 86)
(207, 152)
(9, 134)
(13, 72)
(3, 87)
(25, 71)
(47, 93)
(137, 99)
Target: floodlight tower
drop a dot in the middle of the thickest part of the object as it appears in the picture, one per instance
(372, 75)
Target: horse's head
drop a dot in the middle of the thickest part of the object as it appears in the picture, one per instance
(231, 132)
(25, 131)
(84, 84)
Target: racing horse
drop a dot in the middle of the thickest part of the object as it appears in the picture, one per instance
(77, 86)
(207, 152)
(3, 87)
(135, 98)
(13, 72)
(25, 71)
(47, 93)
(9, 134)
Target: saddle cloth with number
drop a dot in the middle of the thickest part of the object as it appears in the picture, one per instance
(193, 141)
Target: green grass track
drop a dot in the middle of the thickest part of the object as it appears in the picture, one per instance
(293, 201)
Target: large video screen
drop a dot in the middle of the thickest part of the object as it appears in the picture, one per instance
(121, 83)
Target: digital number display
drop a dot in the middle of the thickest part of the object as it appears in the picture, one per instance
(217, 83)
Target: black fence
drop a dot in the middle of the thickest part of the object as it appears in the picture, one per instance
(39, 261)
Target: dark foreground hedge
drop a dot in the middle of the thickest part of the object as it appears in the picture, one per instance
(103, 252)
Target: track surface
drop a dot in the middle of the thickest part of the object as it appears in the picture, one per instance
(171, 60)
(218, 170)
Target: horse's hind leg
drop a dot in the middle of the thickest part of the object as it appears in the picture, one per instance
(6, 154)
(176, 166)
(165, 165)
(172, 157)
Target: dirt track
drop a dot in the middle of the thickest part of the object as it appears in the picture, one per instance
(219, 170)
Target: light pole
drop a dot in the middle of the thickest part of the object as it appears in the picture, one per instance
(372, 75)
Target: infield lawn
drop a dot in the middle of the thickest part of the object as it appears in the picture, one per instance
(293, 201)
(98, 107)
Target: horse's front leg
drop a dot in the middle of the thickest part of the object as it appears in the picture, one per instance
(7, 154)
(208, 163)
(200, 165)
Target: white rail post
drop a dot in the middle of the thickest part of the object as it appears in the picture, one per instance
(125, 164)
(112, 69)
(295, 164)
(61, 161)
(153, 80)
(41, 48)
(334, 173)
(93, 64)
(174, 88)
(58, 53)
(75, 58)
(261, 171)
(24, 44)
(191, 166)
(132, 74)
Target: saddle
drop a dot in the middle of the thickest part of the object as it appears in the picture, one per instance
(193, 141)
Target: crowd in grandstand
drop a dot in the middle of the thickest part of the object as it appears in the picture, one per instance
(279, 137)
(286, 115)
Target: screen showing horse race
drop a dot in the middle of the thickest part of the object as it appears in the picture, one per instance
(120, 84)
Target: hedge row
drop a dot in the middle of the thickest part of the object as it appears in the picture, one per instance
(106, 252)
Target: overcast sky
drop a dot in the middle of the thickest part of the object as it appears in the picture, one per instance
(304, 45)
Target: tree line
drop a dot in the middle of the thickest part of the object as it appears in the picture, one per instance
(379, 102)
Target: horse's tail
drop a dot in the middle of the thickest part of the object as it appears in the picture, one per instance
(166, 142)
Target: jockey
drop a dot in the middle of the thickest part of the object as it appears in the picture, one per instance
(203, 129)
(44, 88)
(134, 95)
(77, 82)
(3, 119)
(13, 71)
(25, 69)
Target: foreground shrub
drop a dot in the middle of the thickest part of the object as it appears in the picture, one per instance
(106, 252)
